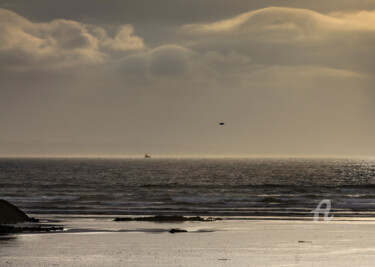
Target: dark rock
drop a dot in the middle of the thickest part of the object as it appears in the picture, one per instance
(9, 229)
(41, 229)
(172, 231)
(175, 218)
(10, 214)
(5, 229)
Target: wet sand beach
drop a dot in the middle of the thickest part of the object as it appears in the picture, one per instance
(99, 241)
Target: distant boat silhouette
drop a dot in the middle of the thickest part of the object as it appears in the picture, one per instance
(147, 156)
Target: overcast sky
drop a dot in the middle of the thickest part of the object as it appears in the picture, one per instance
(102, 78)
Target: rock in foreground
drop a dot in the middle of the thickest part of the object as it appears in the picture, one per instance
(10, 214)
(176, 218)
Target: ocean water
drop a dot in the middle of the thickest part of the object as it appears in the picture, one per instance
(210, 187)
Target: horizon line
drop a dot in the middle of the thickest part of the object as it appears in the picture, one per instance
(109, 156)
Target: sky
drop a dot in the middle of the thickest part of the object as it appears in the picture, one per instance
(121, 78)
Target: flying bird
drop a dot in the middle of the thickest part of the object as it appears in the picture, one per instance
(221, 123)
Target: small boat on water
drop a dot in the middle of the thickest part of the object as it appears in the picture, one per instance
(147, 156)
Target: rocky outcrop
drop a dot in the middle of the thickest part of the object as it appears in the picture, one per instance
(176, 218)
(10, 214)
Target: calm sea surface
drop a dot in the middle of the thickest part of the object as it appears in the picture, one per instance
(214, 187)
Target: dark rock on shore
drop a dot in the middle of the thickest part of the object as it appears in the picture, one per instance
(176, 218)
(173, 230)
(9, 229)
(5, 229)
(10, 214)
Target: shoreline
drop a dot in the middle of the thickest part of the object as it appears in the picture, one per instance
(44, 217)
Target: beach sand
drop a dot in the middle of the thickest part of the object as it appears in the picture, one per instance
(231, 242)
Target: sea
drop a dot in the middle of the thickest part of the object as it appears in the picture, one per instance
(242, 187)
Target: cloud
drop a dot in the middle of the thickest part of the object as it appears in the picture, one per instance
(124, 39)
(300, 44)
(302, 77)
(218, 52)
(290, 36)
(230, 62)
(295, 22)
(362, 19)
(170, 64)
(59, 43)
(170, 61)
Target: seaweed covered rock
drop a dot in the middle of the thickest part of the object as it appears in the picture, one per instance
(10, 214)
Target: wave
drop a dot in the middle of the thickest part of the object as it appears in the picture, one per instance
(294, 187)
(237, 200)
(199, 200)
